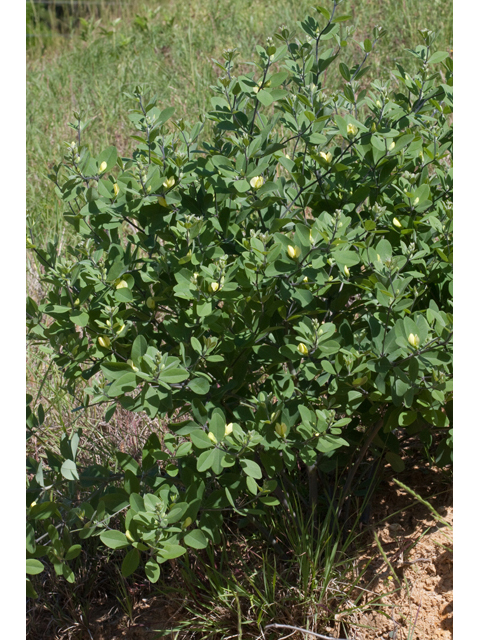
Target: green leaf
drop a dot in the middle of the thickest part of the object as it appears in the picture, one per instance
(30, 591)
(73, 552)
(265, 97)
(199, 386)
(396, 461)
(152, 570)
(196, 539)
(200, 439)
(109, 156)
(139, 349)
(130, 562)
(34, 567)
(438, 56)
(69, 470)
(251, 468)
(206, 460)
(125, 383)
(344, 71)
(114, 539)
(173, 375)
(172, 551)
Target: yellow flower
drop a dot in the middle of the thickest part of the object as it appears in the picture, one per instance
(293, 252)
(281, 429)
(303, 349)
(414, 340)
(256, 182)
(151, 303)
(326, 156)
(228, 429)
(346, 271)
(121, 284)
(305, 279)
(162, 202)
(104, 341)
(214, 287)
(212, 437)
(352, 130)
(103, 166)
(397, 223)
(169, 182)
(391, 146)
(116, 189)
(33, 504)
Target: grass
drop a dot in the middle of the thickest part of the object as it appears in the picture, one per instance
(85, 61)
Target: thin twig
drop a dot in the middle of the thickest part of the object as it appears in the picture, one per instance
(312, 633)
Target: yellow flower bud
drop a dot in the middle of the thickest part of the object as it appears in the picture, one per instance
(129, 536)
(103, 166)
(214, 287)
(151, 303)
(33, 503)
(294, 252)
(212, 437)
(378, 257)
(305, 279)
(228, 429)
(162, 202)
(186, 523)
(121, 284)
(311, 238)
(397, 223)
(326, 156)
(281, 429)
(416, 201)
(120, 329)
(373, 128)
(169, 182)
(116, 189)
(352, 130)
(303, 349)
(414, 340)
(379, 104)
(346, 271)
(256, 182)
(391, 146)
(104, 341)
(130, 362)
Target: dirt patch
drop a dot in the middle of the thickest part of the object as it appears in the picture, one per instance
(416, 590)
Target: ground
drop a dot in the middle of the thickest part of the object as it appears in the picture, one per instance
(416, 601)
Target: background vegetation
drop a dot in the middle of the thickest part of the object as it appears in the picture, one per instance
(84, 60)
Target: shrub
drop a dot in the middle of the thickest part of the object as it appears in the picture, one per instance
(281, 293)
